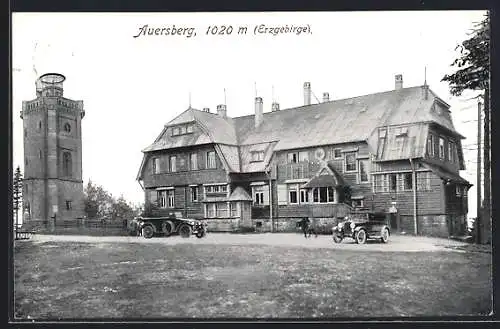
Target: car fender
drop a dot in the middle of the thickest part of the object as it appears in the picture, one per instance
(357, 228)
(385, 227)
(143, 225)
(172, 226)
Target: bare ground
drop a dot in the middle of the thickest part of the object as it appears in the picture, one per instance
(256, 276)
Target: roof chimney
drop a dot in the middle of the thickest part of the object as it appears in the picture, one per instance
(307, 93)
(326, 97)
(206, 109)
(275, 106)
(258, 111)
(221, 110)
(398, 81)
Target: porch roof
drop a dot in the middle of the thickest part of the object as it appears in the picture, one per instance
(447, 175)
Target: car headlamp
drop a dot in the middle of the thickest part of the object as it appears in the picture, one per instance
(340, 225)
(352, 226)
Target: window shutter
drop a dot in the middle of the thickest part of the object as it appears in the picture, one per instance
(282, 194)
(265, 189)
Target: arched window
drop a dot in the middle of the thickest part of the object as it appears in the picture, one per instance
(39, 154)
(67, 127)
(67, 165)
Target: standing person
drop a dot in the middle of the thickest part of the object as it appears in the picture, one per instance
(304, 225)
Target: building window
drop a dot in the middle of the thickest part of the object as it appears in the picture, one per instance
(324, 194)
(423, 181)
(210, 208)
(221, 209)
(292, 194)
(233, 209)
(393, 182)
(25, 132)
(182, 130)
(292, 158)
(162, 199)
(430, 145)
(67, 165)
(39, 125)
(39, 154)
(156, 165)
(215, 188)
(257, 156)
(190, 128)
(407, 181)
(304, 196)
(194, 193)
(363, 171)
(337, 153)
(67, 127)
(193, 161)
(441, 147)
(260, 195)
(451, 152)
(68, 205)
(171, 198)
(173, 163)
(175, 131)
(358, 203)
(211, 160)
(303, 156)
(458, 190)
(350, 161)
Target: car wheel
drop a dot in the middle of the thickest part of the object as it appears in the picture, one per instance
(148, 232)
(185, 231)
(337, 238)
(200, 234)
(167, 228)
(385, 235)
(361, 236)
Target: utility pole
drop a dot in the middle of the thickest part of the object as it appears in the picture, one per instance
(487, 180)
(478, 186)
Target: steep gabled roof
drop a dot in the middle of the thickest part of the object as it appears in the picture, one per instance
(216, 130)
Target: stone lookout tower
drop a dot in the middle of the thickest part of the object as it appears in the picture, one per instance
(53, 186)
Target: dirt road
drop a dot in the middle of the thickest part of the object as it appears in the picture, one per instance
(397, 243)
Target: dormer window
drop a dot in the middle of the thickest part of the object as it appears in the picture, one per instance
(182, 129)
(257, 156)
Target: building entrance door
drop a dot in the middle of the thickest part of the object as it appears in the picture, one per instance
(393, 222)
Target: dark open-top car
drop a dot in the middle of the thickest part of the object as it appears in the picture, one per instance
(166, 226)
(362, 227)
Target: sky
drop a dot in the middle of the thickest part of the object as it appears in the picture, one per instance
(132, 86)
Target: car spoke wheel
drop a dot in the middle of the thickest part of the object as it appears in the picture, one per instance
(385, 235)
(361, 236)
(337, 238)
(200, 234)
(147, 232)
(185, 231)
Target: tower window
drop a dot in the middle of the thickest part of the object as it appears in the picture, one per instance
(67, 164)
(25, 132)
(39, 154)
(68, 205)
(40, 125)
(67, 127)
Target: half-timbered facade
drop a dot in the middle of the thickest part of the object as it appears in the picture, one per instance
(395, 151)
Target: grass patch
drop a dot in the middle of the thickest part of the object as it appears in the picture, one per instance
(57, 280)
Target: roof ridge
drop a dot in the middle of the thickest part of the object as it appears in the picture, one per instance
(334, 101)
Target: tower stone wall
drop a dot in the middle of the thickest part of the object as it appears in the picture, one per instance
(53, 185)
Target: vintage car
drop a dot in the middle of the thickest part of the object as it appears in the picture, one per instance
(166, 226)
(361, 227)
